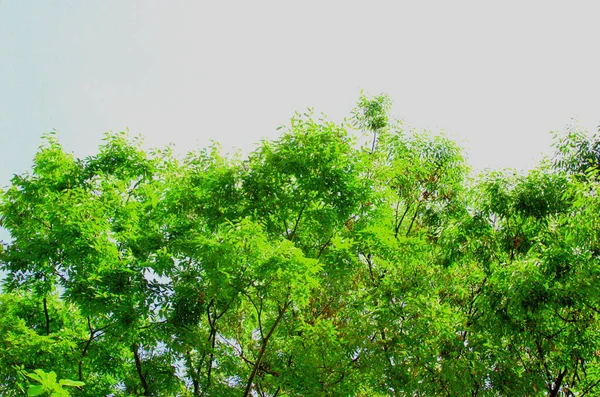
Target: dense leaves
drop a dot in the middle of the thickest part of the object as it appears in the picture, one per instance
(313, 267)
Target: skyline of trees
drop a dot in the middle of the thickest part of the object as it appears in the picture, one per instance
(314, 266)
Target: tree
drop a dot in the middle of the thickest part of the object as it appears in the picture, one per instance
(315, 266)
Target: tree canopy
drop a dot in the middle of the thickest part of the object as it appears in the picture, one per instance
(314, 266)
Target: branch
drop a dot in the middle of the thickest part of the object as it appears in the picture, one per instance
(399, 223)
(138, 366)
(258, 310)
(47, 316)
(211, 356)
(586, 391)
(555, 389)
(412, 221)
(263, 348)
(238, 349)
(374, 141)
(85, 349)
(324, 246)
(543, 359)
(368, 258)
(195, 375)
(293, 233)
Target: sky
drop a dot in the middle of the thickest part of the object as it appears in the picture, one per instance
(495, 76)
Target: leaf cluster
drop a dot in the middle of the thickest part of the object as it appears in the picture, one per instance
(313, 267)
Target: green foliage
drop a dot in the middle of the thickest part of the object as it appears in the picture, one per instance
(372, 114)
(48, 384)
(577, 152)
(313, 267)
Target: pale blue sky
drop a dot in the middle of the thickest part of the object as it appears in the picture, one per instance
(498, 77)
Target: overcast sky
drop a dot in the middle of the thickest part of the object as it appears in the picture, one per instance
(496, 76)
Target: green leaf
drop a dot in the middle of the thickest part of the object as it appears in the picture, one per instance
(35, 377)
(51, 377)
(69, 382)
(35, 390)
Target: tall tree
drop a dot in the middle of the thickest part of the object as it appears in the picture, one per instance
(316, 266)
